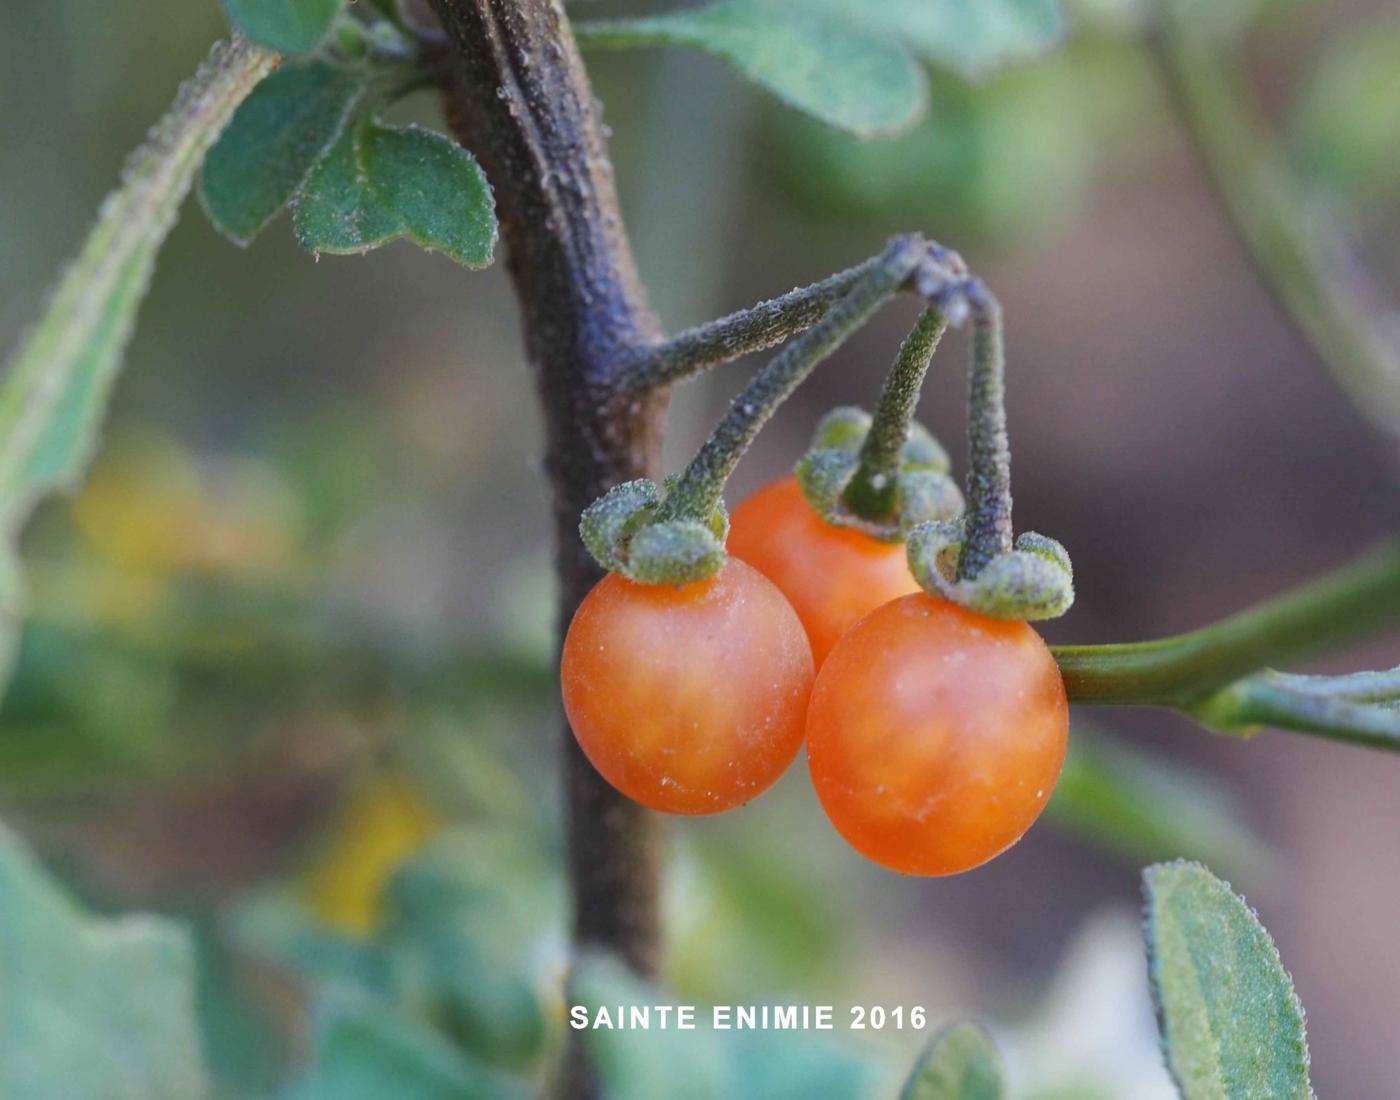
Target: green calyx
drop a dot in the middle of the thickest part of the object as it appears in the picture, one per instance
(885, 508)
(626, 533)
(1033, 580)
(975, 560)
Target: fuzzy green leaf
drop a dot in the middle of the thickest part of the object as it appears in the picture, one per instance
(1232, 1027)
(962, 1063)
(273, 142)
(289, 26)
(56, 386)
(455, 944)
(380, 183)
(91, 1009)
(364, 1051)
(827, 67)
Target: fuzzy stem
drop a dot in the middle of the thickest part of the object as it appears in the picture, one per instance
(720, 341)
(988, 522)
(1357, 601)
(1270, 699)
(700, 487)
(872, 489)
(1359, 687)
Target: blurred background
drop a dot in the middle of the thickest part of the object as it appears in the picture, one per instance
(295, 634)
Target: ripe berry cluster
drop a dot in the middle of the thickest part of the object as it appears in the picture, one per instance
(864, 607)
(934, 734)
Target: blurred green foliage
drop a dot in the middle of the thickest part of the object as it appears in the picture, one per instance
(961, 1063)
(1347, 116)
(991, 162)
(91, 1008)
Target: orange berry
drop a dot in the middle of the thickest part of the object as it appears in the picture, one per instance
(688, 699)
(935, 735)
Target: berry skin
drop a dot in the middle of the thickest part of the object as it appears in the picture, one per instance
(690, 699)
(935, 735)
(833, 576)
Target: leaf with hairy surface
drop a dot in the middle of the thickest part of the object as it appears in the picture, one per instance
(288, 26)
(56, 386)
(1231, 1024)
(92, 1009)
(382, 183)
(962, 1063)
(272, 144)
(825, 67)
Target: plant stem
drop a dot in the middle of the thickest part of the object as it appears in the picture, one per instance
(700, 487)
(1269, 699)
(762, 326)
(517, 95)
(1356, 601)
(1301, 704)
(1329, 302)
(872, 489)
(988, 520)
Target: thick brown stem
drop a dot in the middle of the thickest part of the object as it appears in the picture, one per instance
(518, 97)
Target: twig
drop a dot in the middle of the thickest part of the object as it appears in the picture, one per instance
(701, 484)
(1353, 603)
(757, 328)
(873, 488)
(1315, 705)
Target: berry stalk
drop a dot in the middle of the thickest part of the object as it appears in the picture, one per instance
(988, 531)
(872, 492)
(699, 489)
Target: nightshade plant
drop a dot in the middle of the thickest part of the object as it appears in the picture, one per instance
(289, 113)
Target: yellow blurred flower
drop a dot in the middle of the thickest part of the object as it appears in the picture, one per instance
(150, 507)
(383, 823)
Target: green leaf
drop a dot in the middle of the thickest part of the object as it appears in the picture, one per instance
(56, 386)
(91, 1009)
(275, 925)
(1232, 1027)
(289, 26)
(827, 67)
(452, 939)
(273, 142)
(242, 1044)
(381, 183)
(962, 1063)
(969, 37)
(364, 1051)
(705, 1062)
